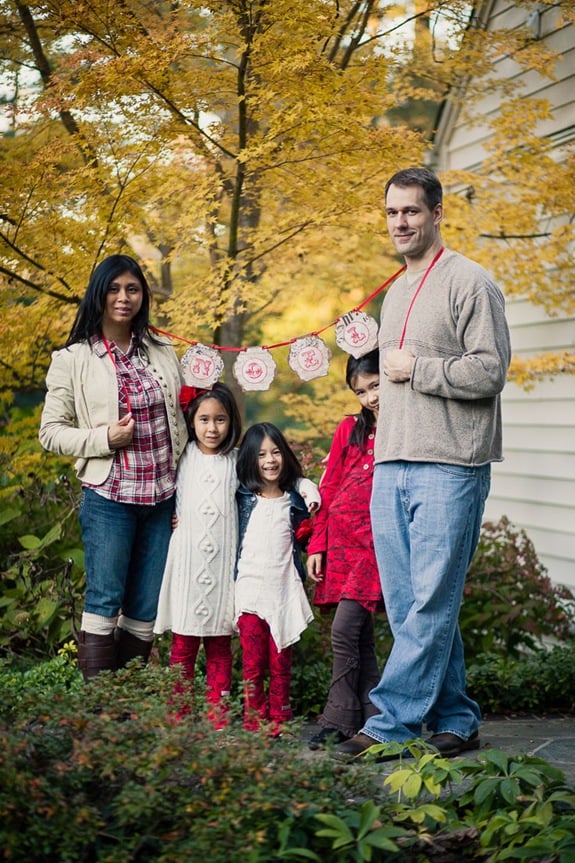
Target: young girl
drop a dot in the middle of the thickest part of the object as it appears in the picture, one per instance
(197, 594)
(272, 609)
(341, 560)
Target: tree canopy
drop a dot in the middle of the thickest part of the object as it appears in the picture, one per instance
(239, 149)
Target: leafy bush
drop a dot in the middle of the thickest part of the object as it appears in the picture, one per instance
(104, 775)
(54, 677)
(510, 604)
(538, 682)
(42, 566)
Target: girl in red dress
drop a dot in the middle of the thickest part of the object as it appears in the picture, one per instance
(341, 561)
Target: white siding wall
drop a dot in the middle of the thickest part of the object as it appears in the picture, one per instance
(535, 485)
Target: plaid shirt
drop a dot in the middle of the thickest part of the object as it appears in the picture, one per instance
(141, 473)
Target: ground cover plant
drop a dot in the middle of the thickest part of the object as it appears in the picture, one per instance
(101, 772)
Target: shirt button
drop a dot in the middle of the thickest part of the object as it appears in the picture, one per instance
(370, 452)
(366, 467)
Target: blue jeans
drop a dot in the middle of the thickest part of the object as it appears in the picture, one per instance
(426, 520)
(125, 550)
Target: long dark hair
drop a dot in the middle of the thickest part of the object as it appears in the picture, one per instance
(248, 455)
(222, 394)
(368, 364)
(88, 320)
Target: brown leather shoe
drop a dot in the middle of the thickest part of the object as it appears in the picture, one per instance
(450, 745)
(360, 745)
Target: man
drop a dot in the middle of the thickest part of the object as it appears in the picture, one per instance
(445, 351)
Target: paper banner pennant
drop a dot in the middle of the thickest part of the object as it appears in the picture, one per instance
(309, 357)
(201, 366)
(356, 333)
(254, 369)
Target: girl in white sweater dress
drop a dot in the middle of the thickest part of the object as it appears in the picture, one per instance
(197, 595)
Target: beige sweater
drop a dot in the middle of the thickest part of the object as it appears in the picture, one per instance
(450, 409)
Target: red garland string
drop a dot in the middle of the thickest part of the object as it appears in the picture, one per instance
(416, 294)
(362, 305)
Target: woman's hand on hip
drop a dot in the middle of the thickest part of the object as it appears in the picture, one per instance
(120, 433)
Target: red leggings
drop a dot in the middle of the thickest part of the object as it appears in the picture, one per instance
(218, 650)
(260, 655)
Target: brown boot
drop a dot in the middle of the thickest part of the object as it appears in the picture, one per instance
(96, 653)
(130, 647)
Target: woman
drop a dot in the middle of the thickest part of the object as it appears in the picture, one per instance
(112, 402)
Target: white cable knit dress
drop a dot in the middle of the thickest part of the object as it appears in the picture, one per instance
(197, 594)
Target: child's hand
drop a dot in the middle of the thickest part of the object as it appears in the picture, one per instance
(315, 566)
(310, 493)
(174, 521)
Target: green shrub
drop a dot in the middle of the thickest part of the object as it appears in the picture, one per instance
(103, 775)
(53, 677)
(42, 566)
(510, 604)
(535, 683)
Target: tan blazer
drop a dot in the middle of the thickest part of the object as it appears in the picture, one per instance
(82, 401)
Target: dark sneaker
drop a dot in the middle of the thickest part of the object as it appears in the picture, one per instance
(450, 745)
(326, 737)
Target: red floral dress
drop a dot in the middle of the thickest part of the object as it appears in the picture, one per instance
(342, 527)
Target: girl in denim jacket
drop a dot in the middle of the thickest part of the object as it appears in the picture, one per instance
(271, 606)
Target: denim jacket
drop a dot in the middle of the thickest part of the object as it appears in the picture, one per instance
(246, 501)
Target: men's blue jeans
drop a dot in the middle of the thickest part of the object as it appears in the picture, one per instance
(426, 520)
(125, 550)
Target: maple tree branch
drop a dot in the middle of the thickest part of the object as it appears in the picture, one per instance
(45, 70)
(356, 39)
(187, 121)
(293, 232)
(55, 295)
(122, 185)
(503, 236)
(169, 103)
(255, 312)
(382, 34)
(342, 31)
